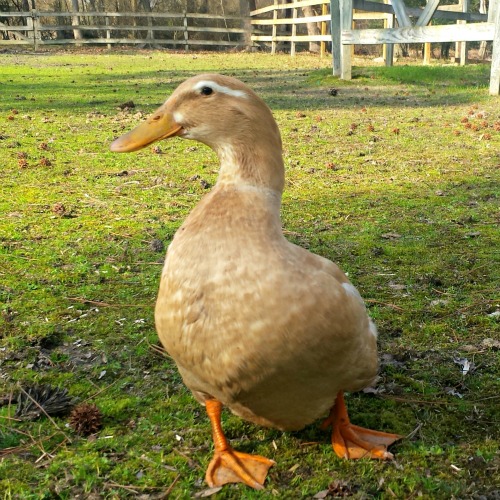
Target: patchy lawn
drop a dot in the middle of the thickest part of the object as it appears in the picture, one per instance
(394, 175)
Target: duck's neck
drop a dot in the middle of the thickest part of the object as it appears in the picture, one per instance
(253, 164)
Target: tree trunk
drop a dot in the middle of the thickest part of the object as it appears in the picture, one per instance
(75, 20)
(312, 29)
(27, 6)
(245, 7)
(147, 8)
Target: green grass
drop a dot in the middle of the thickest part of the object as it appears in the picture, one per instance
(386, 178)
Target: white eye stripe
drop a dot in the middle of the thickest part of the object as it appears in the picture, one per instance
(219, 88)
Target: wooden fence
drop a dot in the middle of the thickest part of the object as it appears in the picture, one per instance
(275, 24)
(281, 22)
(183, 30)
(413, 32)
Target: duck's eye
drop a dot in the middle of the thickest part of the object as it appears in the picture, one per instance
(207, 91)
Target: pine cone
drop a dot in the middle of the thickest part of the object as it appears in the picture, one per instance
(53, 400)
(85, 419)
(59, 209)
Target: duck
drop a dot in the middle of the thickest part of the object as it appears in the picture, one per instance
(255, 323)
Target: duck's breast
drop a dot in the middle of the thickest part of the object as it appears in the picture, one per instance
(267, 328)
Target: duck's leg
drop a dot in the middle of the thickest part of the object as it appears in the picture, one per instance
(228, 465)
(351, 441)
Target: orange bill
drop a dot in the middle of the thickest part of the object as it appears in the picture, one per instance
(159, 125)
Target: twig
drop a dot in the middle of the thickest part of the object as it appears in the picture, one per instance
(10, 401)
(87, 301)
(34, 442)
(134, 489)
(51, 454)
(159, 350)
(414, 401)
(116, 485)
(484, 399)
(9, 451)
(11, 418)
(101, 390)
(392, 306)
(13, 429)
(104, 304)
(171, 487)
(414, 431)
(191, 462)
(427, 402)
(42, 456)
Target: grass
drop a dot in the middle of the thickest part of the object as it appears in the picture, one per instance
(395, 178)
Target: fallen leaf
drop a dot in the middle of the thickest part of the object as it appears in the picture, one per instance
(373, 390)
(491, 343)
(391, 236)
(397, 286)
(387, 359)
(208, 492)
(321, 494)
(438, 302)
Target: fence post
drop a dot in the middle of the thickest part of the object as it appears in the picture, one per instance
(186, 35)
(274, 28)
(335, 31)
(294, 32)
(36, 32)
(345, 24)
(463, 45)
(108, 31)
(29, 25)
(495, 53)
(427, 52)
(324, 12)
(389, 47)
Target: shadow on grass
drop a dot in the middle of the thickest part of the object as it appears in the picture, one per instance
(283, 90)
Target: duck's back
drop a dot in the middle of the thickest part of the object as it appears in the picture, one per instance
(260, 324)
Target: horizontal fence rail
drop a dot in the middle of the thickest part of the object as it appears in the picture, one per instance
(37, 28)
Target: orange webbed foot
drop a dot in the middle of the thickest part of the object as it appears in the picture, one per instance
(228, 465)
(351, 441)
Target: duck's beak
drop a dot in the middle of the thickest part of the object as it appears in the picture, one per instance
(159, 125)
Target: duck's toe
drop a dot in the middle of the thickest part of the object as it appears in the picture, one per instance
(230, 466)
(351, 441)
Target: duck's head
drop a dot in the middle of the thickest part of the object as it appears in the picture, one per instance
(225, 114)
